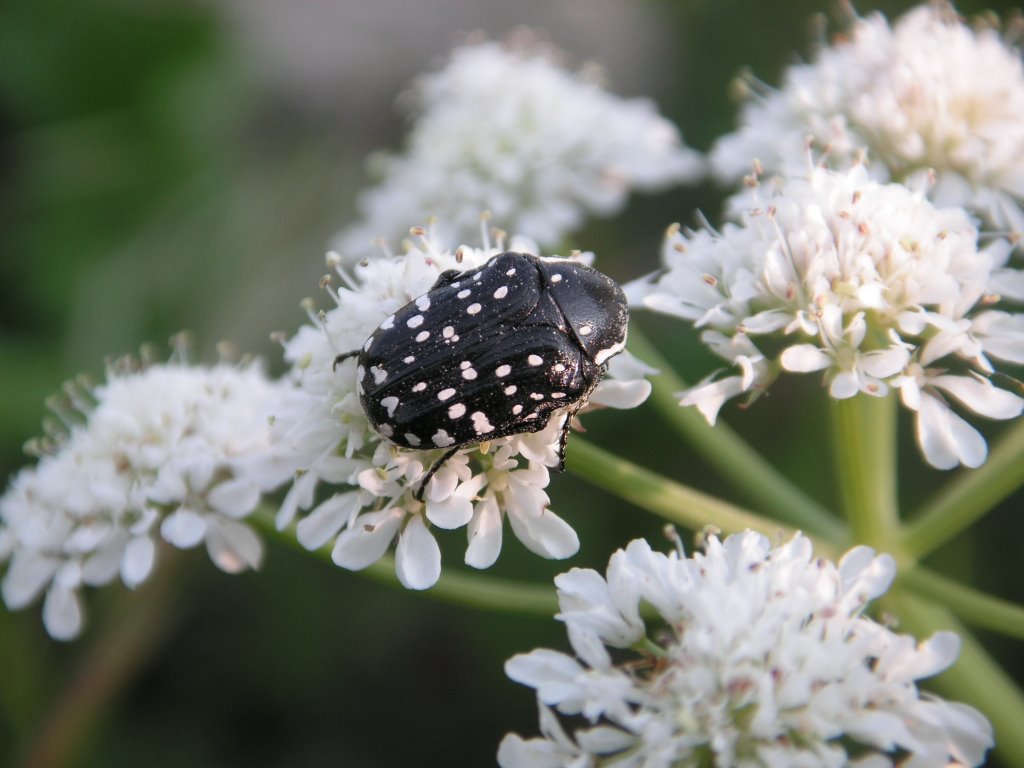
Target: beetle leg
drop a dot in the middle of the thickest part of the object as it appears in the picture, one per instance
(430, 472)
(342, 358)
(563, 438)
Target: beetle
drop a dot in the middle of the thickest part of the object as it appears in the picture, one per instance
(491, 352)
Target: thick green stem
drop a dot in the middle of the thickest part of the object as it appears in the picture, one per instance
(975, 678)
(732, 456)
(978, 608)
(475, 590)
(675, 502)
(956, 506)
(864, 445)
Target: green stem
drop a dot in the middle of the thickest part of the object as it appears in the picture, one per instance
(864, 444)
(675, 502)
(975, 678)
(973, 606)
(732, 456)
(962, 501)
(477, 590)
(474, 590)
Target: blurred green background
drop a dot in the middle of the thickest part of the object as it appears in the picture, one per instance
(176, 165)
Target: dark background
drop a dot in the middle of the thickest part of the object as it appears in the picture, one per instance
(182, 165)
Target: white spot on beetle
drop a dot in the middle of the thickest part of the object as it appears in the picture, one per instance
(472, 309)
(412, 439)
(517, 409)
(388, 323)
(511, 272)
(456, 411)
(360, 373)
(558, 395)
(379, 374)
(386, 429)
(477, 276)
(480, 423)
(465, 364)
(556, 278)
(558, 367)
(501, 293)
(422, 336)
(604, 354)
(446, 394)
(415, 321)
(366, 346)
(463, 293)
(511, 389)
(448, 332)
(536, 396)
(390, 403)
(409, 359)
(419, 386)
(503, 370)
(534, 360)
(442, 439)
(469, 374)
(423, 303)
(585, 330)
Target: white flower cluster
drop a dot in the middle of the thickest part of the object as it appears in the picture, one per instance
(764, 657)
(323, 437)
(868, 282)
(929, 95)
(162, 452)
(503, 128)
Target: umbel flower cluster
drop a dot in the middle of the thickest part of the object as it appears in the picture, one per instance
(161, 453)
(504, 128)
(869, 283)
(926, 97)
(757, 655)
(325, 439)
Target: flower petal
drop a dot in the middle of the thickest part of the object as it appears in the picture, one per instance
(183, 528)
(137, 563)
(233, 546)
(945, 439)
(485, 533)
(367, 539)
(804, 358)
(981, 396)
(417, 556)
(324, 522)
(62, 612)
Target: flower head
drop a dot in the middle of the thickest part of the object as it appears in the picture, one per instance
(759, 656)
(916, 111)
(867, 282)
(162, 452)
(503, 128)
(323, 437)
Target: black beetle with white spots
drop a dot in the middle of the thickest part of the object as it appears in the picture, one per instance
(491, 352)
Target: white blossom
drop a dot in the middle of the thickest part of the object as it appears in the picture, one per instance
(869, 283)
(504, 128)
(928, 95)
(158, 453)
(757, 656)
(323, 438)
